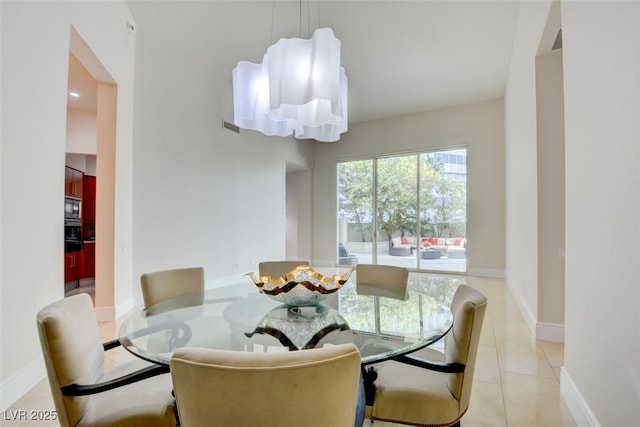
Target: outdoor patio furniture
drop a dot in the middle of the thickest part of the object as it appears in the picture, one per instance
(430, 253)
(402, 246)
(345, 257)
(457, 252)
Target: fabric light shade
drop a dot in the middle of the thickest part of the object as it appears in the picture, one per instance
(298, 88)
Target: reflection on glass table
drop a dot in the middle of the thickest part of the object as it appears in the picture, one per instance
(238, 317)
(300, 328)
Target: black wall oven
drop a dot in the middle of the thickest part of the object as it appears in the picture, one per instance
(72, 225)
(72, 208)
(72, 236)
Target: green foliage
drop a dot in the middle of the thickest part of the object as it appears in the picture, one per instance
(449, 208)
(355, 188)
(397, 182)
(395, 317)
(442, 199)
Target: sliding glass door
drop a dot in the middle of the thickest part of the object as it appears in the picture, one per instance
(355, 212)
(407, 210)
(397, 209)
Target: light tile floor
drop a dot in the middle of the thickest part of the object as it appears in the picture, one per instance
(516, 380)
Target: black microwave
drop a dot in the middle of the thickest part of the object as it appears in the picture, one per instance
(71, 208)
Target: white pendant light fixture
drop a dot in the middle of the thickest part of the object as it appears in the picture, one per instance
(299, 88)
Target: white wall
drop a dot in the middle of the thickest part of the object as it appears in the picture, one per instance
(81, 132)
(600, 379)
(479, 127)
(82, 162)
(521, 160)
(200, 195)
(534, 141)
(601, 376)
(534, 146)
(203, 195)
(35, 53)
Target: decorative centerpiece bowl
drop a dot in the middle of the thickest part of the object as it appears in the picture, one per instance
(302, 286)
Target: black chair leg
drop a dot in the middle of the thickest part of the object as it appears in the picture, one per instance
(369, 377)
(361, 407)
(175, 409)
(175, 413)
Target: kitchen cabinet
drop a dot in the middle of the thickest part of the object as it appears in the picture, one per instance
(72, 266)
(88, 198)
(88, 260)
(72, 182)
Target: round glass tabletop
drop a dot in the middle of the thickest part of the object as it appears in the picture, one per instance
(239, 317)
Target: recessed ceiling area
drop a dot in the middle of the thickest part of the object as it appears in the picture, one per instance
(83, 84)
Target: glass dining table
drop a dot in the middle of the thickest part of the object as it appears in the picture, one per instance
(239, 317)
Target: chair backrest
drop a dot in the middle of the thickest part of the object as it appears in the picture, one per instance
(461, 343)
(316, 387)
(382, 280)
(163, 285)
(72, 350)
(276, 269)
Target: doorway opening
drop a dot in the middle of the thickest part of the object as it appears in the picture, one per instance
(90, 168)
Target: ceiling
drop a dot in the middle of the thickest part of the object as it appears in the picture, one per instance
(400, 56)
(82, 83)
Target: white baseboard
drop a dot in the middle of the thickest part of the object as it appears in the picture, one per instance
(578, 407)
(541, 331)
(486, 272)
(550, 332)
(20, 383)
(529, 318)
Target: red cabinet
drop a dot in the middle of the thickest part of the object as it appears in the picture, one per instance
(88, 198)
(72, 182)
(88, 260)
(88, 226)
(72, 266)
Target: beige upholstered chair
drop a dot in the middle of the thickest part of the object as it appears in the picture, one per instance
(278, 268)
(83, 393)
(439, 394)
(163, 285)
(317, 387)
(382, 280)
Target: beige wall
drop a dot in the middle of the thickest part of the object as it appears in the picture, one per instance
(478, 127)
(106, 253)
(551, 195)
